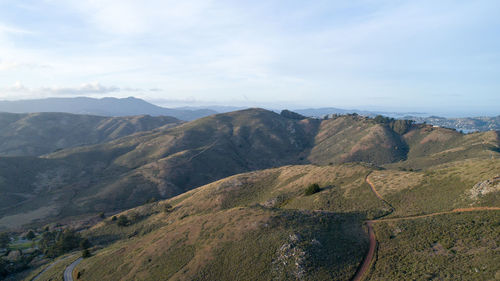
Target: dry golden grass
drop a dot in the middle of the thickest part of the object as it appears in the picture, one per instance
(392, 181)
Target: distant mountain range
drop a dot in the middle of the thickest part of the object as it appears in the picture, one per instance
(133, 106)
(103, 107)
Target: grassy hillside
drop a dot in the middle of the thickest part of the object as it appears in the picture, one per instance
(41, 133)
(170, 162)
(262, 226)
(245, 227)
(355, 138)
(430, 146)
(163, 163)
(448, 247)
(440, 188)
(128, 171)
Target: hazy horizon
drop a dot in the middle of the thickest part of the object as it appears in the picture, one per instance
(224, 107)
(438, 58)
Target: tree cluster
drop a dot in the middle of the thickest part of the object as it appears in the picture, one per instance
(56, 243)
(292, 115)
(397, 125)
(4, 240)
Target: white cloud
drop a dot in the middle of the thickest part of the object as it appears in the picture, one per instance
(91, 89)
(84, 89)
(7, 29)
(132, 17)
(10, 65)
(7, 65)
(319, 52)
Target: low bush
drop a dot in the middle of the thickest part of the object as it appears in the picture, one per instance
(313, 188)
(122, 221)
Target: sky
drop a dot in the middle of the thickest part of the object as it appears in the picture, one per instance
(440, 57)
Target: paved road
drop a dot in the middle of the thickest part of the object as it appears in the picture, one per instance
(68, 272)
(365, 266)
(47, 268)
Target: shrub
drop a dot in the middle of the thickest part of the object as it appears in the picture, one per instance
(313, 188)
(122, 221)
(85, 253)
(85, 244)
(102, 215)
(167, 208)
(31, 235)
(113, 218)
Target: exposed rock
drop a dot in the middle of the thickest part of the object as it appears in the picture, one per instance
(482, 188)
(291, 260)
(275, 201)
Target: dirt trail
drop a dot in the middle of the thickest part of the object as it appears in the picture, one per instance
(365, 266)
(372, 186)
(460, 210)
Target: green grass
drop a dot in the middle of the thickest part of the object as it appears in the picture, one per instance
(448, 247)
(332, 250)
(237, 244)
(224, 231)
(22, 246)
(446, 187)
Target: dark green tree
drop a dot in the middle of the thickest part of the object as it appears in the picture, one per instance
(85, 244)
(4, 240)
(31, 235)
(85, 254)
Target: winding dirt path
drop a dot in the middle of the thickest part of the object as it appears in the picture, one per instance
(365, 266)
(367, 261)
(459, 210)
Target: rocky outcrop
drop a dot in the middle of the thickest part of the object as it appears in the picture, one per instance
(484, 187)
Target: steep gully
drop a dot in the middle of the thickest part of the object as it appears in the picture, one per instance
(364, 268)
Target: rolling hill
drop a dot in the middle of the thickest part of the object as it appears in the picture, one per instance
(36, 134)
(169, 161)
(256, 195)
(262, 226)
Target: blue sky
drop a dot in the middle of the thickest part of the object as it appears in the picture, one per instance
(440, 57)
